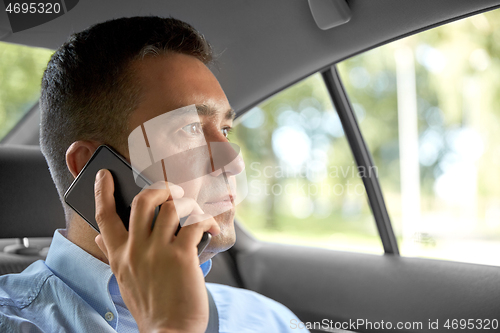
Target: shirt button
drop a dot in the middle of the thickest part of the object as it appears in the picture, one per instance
(109, 316)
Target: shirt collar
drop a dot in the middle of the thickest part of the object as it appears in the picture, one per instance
(206, 267)
(88, 276)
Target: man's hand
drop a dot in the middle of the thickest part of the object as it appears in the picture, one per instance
(158, 273)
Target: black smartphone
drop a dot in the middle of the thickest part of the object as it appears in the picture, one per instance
(80, 195)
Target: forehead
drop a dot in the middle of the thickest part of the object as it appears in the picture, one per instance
(173, 81)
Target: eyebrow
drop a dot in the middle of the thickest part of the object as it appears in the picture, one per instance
(208, 111)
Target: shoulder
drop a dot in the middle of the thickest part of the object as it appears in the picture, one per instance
(36, 300)
(227, 294)
(17, 293)
(19, 290)
(249, 311)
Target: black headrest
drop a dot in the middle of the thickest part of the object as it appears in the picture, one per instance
(29, 204)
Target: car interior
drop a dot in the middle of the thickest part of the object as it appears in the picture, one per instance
(264, 47)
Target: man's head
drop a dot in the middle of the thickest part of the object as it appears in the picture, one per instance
(109, 79)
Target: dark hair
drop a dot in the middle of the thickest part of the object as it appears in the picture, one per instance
(88, 91)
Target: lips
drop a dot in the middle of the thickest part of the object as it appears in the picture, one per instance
(225, 197)
(219, 205)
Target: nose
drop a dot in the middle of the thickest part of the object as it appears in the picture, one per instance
(226, 157)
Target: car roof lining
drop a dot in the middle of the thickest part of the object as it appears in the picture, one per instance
(257, 57)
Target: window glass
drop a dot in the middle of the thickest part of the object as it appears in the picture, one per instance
(429, 108)
(21, 70)
(303, 185)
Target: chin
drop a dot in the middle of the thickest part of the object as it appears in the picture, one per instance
(225, 239)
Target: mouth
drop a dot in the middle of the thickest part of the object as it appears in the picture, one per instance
(219, 205)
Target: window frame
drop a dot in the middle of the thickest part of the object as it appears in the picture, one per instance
(363, 158)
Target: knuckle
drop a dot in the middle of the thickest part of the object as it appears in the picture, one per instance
(101, 216)
(182, 256)
(98, 191)
(169, 206)
(176, 254)
(130, 258)
(139, 201)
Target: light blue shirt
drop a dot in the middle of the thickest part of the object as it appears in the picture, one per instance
(72, 291)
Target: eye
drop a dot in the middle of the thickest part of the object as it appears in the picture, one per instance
(226, 131)
(193, 129)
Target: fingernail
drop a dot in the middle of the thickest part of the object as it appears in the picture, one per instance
(99, 175)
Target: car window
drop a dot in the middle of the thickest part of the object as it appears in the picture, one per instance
(429, 109)
(303, 184)
(21, 70)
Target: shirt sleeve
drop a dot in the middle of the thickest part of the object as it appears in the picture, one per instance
(242, 310)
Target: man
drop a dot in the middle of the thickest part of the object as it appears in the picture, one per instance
(99, 86)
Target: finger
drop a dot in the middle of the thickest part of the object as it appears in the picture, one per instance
(196, 219)
(176, 191)
(187, 206)
(190, 235)
(143, 210)
(100, 243)
(170, 213)
(110, 225)
(166, 223)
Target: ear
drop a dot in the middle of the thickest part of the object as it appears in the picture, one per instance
(78, 155)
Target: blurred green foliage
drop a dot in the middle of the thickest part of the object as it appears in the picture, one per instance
(21, 70)
(301, 173)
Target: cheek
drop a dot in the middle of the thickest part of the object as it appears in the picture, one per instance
(192, 188)
(232, 183)
(193, 170)
(188, 168)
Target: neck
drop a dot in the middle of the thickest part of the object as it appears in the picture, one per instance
(83, 235)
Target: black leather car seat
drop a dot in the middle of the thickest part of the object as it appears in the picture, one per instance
(29, 204)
